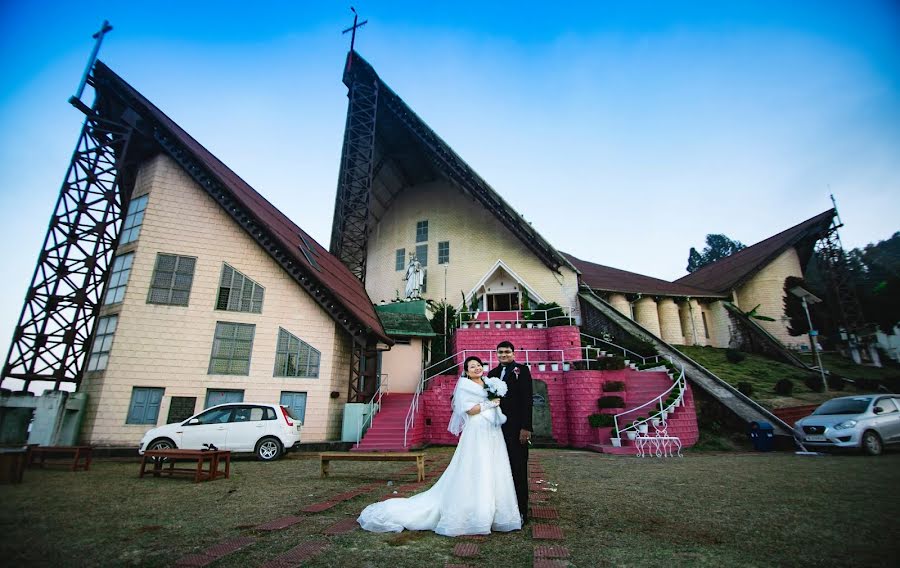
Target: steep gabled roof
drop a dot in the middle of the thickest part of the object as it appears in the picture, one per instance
(409, 152)
(732, 271)
(325, 277)
(608, 279)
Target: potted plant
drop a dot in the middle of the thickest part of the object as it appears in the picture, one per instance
(614, 386)
(641, 424)
(566, 366)
(498, 325)
(554, 366)
(477, 325)
(631, 433)
(542, 367)
(508, 325)
(518, 325)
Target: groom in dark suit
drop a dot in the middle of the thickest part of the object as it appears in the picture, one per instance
(516, 405)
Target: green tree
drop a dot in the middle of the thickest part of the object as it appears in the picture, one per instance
(717, 248)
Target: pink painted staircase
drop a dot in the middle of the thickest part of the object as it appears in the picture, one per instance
(642, 387)
(386, 432)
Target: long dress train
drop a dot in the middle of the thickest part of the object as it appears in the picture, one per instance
(475, 495)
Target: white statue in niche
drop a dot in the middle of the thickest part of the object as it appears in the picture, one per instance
(415, 278)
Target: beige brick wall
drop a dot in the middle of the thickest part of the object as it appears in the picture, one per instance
(719, 324)
(620, 302)
(766, 289)
(645, 314)
(170, 347)
(691, 321)
(669, 322)
(477, 241)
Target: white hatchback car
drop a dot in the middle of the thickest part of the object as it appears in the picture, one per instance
(268, 430)
(869, 422)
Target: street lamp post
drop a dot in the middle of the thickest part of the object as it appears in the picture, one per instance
(807, 297)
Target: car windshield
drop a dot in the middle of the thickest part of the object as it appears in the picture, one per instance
(844, 406)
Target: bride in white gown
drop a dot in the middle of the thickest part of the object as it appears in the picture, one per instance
(475, 495)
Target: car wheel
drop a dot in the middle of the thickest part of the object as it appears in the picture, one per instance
(161, 444)
(268, 449)
(871, 443)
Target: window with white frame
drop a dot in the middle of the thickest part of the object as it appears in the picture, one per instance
(103, 338)
(237, 293)
(421, 231)
(118, 278)
(231, 349)
(443, 252)
(294, 357)
(133, 220)
(400, 259)
(173, 276)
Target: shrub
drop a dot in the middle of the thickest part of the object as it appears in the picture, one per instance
(745, 388)
(611, 363)
(868, 385)
(601, 420)
(610, 402)
(639, 346)
(734, 356)
(835, 382)
(814, 383)
(613, 386)
(784, 387)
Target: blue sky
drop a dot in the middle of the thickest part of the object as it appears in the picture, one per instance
(624, 131)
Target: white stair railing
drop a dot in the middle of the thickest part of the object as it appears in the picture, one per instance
(374, 405)
(680, 383)
(534, 318)
(625, 352)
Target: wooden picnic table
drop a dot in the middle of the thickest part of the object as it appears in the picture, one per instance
(159, 458)
(418, 457)
(37, 456)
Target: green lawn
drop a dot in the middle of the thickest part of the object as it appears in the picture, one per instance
(706, 509)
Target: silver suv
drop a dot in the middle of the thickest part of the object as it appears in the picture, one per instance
(867, 421)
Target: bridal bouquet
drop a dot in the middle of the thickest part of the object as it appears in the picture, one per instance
(494, 387)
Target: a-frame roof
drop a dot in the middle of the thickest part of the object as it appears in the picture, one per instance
(408, 152)
(325, 277)
(734, 270)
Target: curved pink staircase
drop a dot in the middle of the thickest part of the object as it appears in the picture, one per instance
(640, 388)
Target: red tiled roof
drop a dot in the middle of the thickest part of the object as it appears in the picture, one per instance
(608, 279)
(330, 272)
(732, 271)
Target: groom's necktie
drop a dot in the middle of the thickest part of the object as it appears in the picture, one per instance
(502, 372)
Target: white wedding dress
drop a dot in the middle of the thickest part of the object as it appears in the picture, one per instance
(475, 495)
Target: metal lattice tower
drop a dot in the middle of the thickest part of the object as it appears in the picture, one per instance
(834, 264)
(349, 233)
(52, 338)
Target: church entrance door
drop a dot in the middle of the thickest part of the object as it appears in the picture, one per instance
(540, 412)
(503, 302)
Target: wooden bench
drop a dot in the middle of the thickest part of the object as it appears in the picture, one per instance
(419, 458)
(40, 454)
(159, 458)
